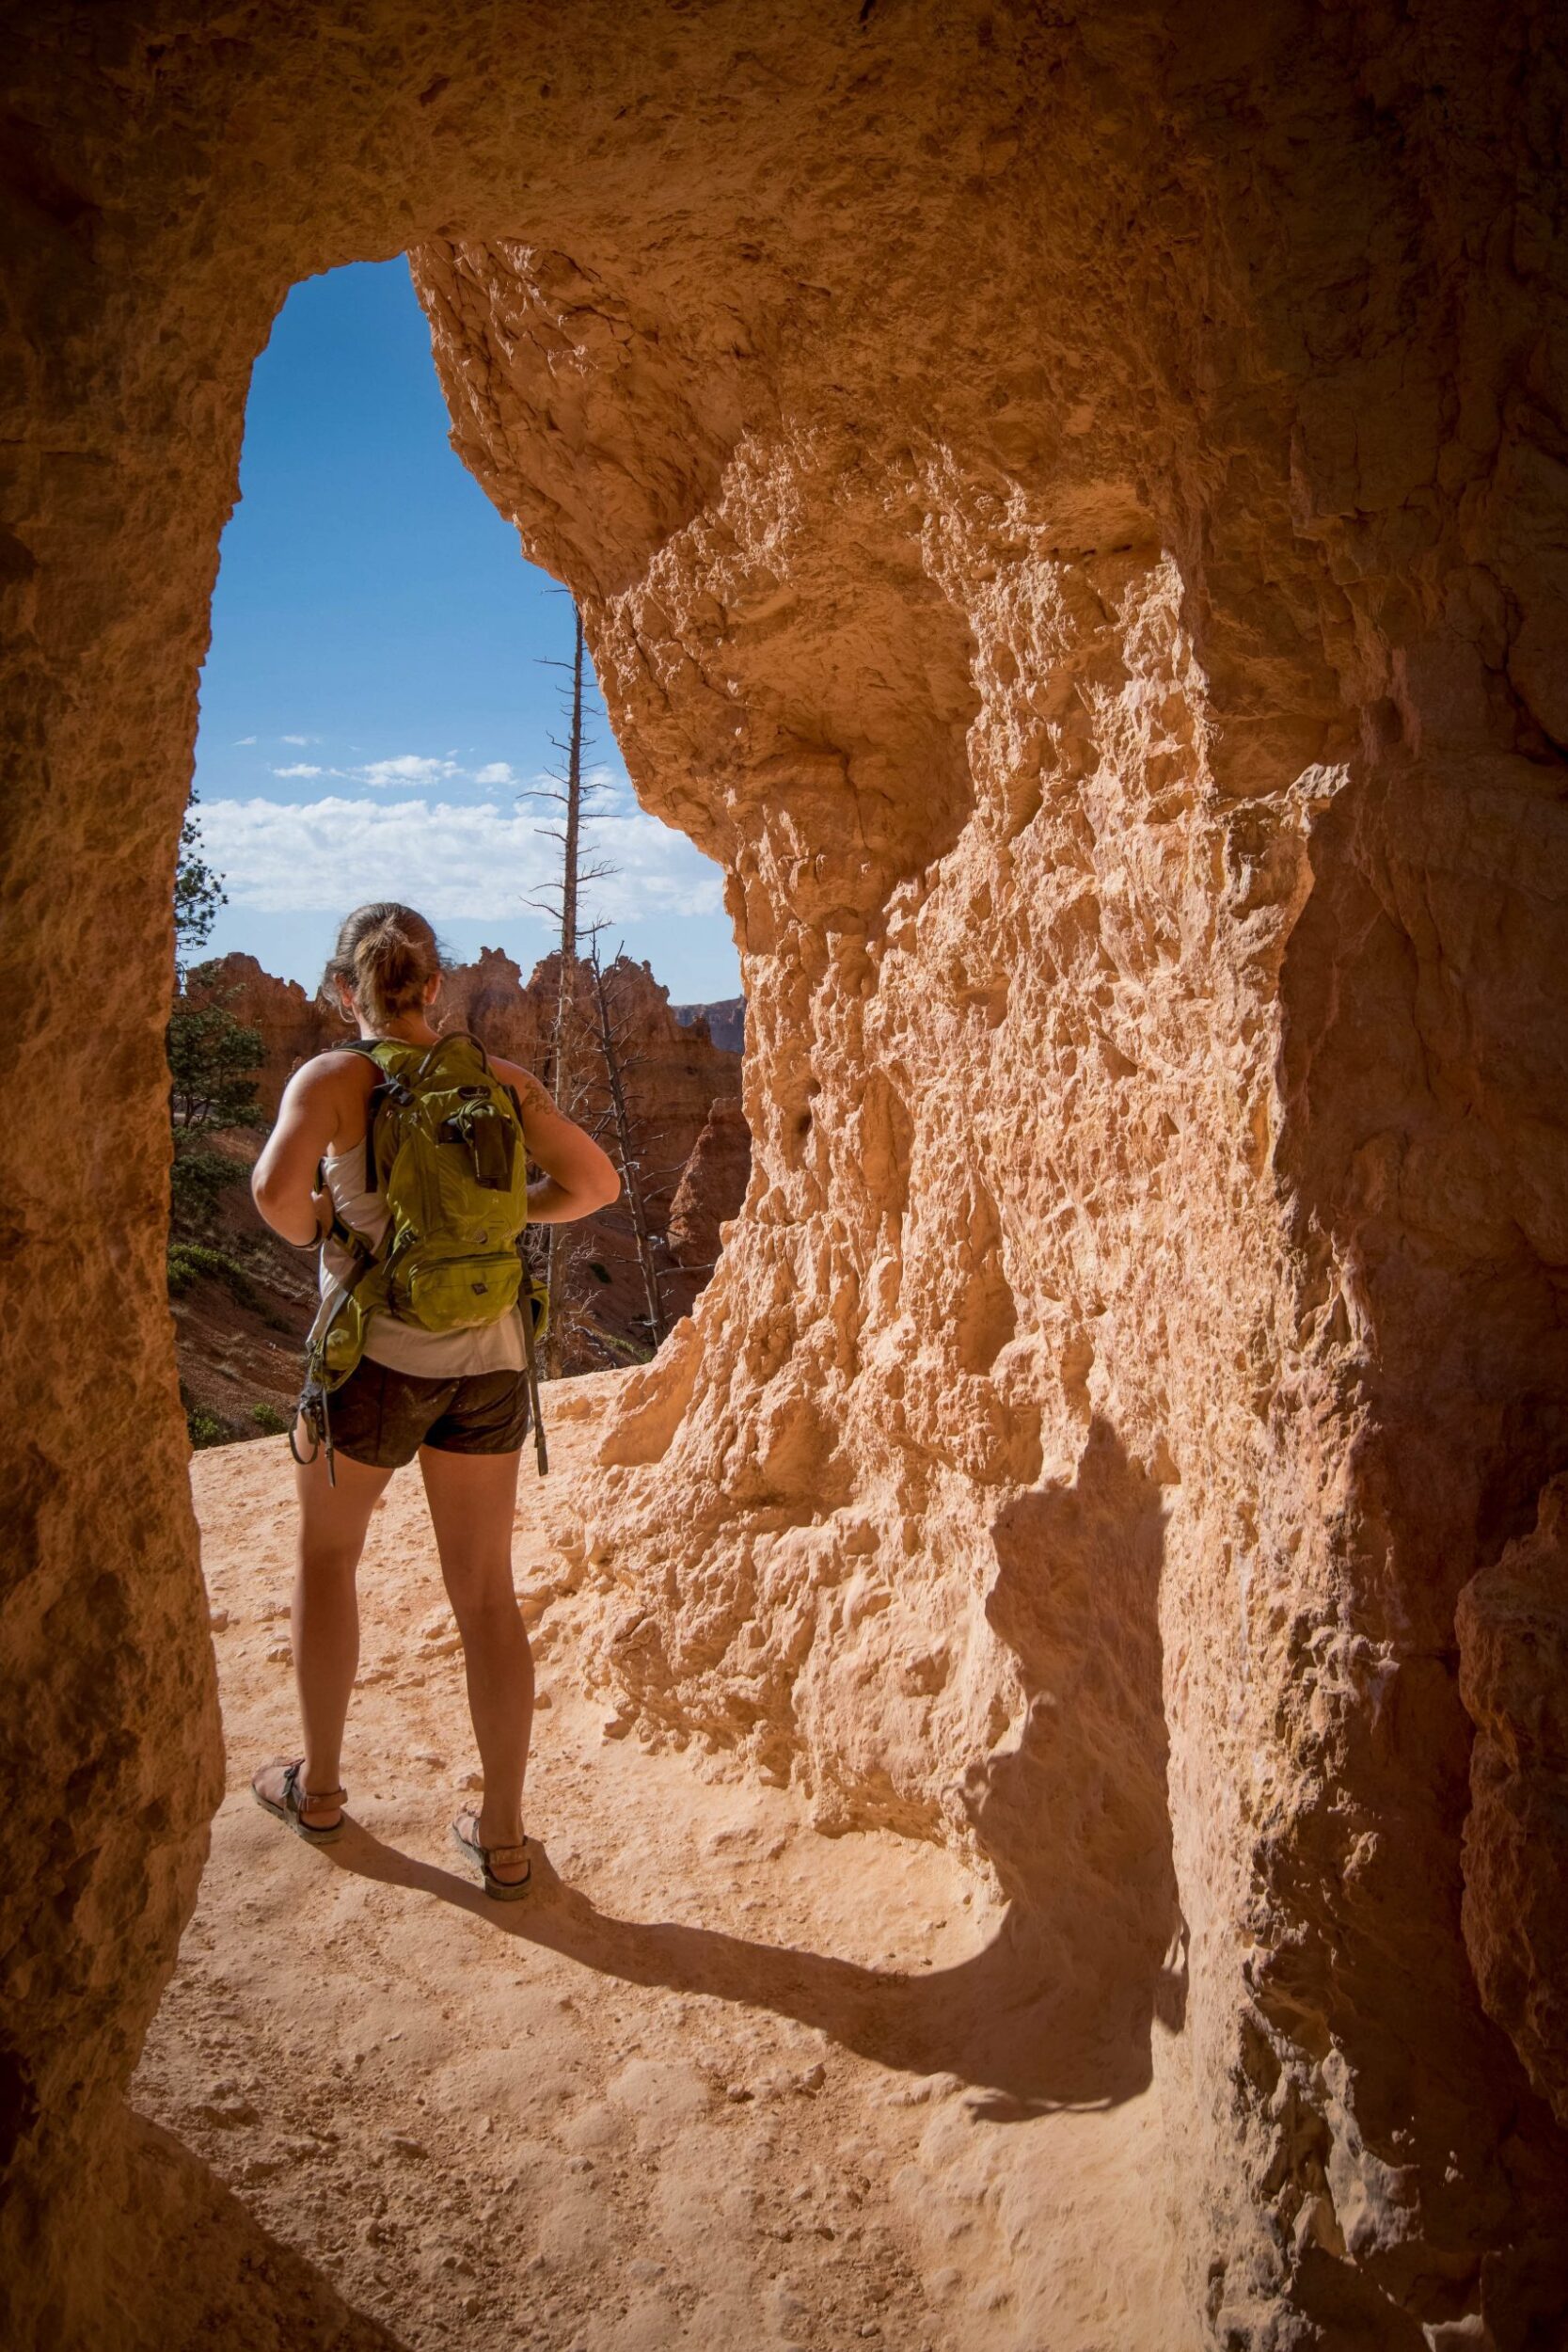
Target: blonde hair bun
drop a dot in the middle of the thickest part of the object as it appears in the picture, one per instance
(386, 956)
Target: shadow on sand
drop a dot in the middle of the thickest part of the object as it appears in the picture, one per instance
(188, 2264)
(1058, 2010)
(989, 2021)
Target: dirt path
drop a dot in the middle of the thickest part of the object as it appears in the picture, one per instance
(686, 2094)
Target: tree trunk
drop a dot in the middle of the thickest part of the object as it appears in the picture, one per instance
(561, 1079)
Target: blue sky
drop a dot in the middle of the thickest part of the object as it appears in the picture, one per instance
(373, 705)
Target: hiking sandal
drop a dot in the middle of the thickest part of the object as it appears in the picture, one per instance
(465, 1830)
(295, 1799)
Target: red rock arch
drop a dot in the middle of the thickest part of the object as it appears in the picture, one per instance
(1067, 508)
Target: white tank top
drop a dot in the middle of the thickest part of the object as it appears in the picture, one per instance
(403, 1346)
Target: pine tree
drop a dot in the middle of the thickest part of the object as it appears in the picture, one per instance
(213, 1059)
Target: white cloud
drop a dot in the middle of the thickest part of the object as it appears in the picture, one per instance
(301, 740)
(455, 863)
(407, 768)
(241, 741)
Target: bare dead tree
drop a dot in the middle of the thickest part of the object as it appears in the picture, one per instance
(593, 1063)
(572, 790)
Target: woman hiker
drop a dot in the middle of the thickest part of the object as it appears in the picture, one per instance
(455, 1394)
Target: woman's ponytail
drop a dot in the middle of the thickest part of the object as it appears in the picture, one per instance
(387, 956)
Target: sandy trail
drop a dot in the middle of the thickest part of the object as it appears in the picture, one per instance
(718, 2082)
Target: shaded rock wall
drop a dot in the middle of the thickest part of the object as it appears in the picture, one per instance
(1514, 1676)
(712, 1186)
(1069, 507)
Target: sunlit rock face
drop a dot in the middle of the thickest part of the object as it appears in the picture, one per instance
(1070, 510)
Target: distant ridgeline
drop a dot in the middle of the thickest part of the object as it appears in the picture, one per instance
(512, 1016)
(726, 1020)
(242, 1299)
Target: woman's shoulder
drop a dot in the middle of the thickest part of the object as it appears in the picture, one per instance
(337, 1061)
(336, 1072)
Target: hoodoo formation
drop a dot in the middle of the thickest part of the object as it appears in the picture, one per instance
(1068, 505)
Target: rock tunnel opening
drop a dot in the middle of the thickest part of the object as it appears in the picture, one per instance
(372, 603)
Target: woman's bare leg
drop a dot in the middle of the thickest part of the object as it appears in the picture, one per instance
(324, 1616)
(472, 1497)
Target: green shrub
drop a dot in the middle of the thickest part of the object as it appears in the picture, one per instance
(188, 1261)
(628, 1351)
(206, 1429)
(196, 1180)
(269, 1421)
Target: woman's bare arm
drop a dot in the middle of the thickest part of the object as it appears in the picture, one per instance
(579, 1177)
(283, 1182)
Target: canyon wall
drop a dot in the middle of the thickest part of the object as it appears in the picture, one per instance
(675, 1062)
(1068, 505)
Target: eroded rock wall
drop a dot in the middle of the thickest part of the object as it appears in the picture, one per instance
(1514, 1676)
(1069, 507)
(1124, 738)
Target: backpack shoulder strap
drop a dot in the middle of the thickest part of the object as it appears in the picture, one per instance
(371, 1049)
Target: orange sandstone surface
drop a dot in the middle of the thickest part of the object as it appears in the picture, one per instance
(1068, 505)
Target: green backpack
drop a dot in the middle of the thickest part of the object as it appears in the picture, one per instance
(444, 1147)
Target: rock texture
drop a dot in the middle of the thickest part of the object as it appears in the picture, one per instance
(1069, 506)
(1513, 1677)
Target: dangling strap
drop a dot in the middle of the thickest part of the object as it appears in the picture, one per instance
(305, 1412)
(530, 1374)
(315, 1411)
